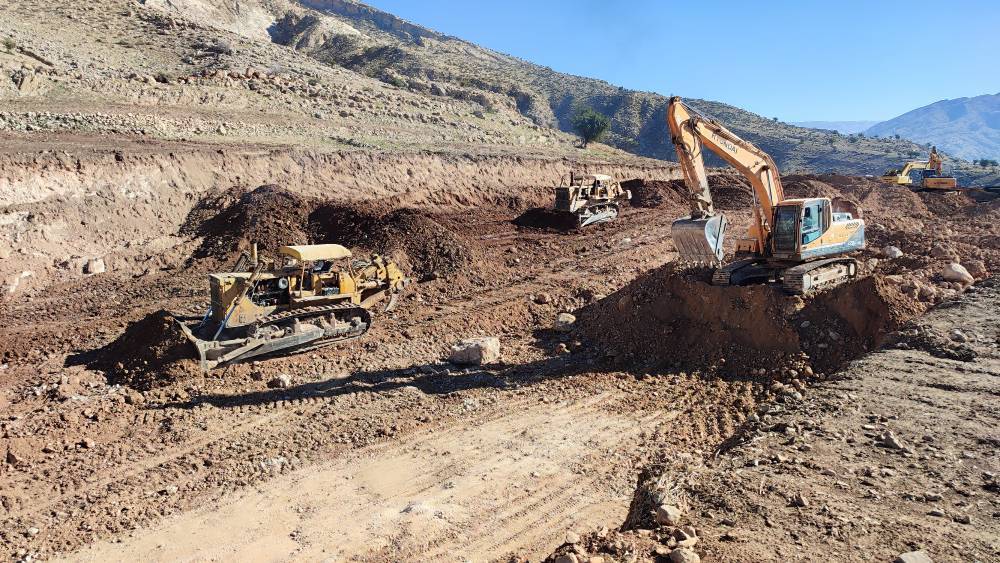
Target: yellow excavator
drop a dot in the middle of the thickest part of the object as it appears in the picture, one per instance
(802, 244)
(931, 174)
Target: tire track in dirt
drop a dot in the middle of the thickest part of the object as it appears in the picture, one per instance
(481, 447)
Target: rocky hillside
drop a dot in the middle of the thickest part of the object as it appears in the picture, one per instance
(341, 75)
(968, 128)
(348, 34)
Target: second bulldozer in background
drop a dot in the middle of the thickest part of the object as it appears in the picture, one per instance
(592, 198)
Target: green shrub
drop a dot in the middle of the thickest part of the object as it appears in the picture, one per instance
(9, 44)
(589, 124)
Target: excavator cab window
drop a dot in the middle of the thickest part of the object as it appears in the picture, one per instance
(812, 216)
(786, 224)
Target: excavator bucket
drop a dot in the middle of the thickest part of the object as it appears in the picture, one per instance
(699, 240)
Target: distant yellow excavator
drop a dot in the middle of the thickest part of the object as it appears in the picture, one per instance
(800, 243)
(931, 174)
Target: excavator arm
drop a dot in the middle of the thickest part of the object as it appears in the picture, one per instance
(699, 237)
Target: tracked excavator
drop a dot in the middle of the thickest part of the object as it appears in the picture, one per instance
(931, 174)
(803, 244)
(312, 296)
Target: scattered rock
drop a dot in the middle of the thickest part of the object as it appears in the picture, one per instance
(957, 273)
(684, 555)
(282, 381)
(976, 268)
(13, 458)
(94, 266)
(686, 536)
(914, 557)
(543, 298)
(572, 538)
(567, 558)
(564, 321)
(668, 515)
(889, 440)
(892, 252)
(800, 500)
(476, 351)
(941, 251)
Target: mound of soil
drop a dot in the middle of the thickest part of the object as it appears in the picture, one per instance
(233, 220)
(656, 193)
(730, 191)
(422, 246)
(546, 219)
(672, 318)
(152, 352)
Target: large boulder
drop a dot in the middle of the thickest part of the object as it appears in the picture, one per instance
(476, 351)
(957, 273)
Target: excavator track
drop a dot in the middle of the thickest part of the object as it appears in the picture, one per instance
(813, 276)
(741, 272)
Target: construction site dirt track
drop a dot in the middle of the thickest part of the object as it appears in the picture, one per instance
(135, 447)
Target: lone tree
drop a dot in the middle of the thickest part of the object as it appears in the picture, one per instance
(589, 124)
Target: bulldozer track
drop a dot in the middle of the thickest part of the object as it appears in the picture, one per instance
(312, 311)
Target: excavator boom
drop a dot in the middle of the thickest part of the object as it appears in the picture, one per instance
(699, 236)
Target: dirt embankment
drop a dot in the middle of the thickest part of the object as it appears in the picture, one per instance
(133, 210)
(675, 319)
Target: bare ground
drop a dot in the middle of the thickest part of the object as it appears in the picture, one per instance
(382, 451)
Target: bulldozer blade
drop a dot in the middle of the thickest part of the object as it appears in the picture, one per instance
(699, 240)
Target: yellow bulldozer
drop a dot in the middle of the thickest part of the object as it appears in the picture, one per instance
(592, 198)
(312, 296)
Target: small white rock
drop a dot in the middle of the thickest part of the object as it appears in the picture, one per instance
(892, 252)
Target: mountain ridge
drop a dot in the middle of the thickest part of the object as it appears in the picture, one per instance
(845, 127)
(967, 127)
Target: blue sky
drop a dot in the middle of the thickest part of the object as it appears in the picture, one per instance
(795, 60)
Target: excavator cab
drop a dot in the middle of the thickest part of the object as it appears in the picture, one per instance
(807, 229)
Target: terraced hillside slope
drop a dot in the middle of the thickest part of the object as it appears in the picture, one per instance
(339, 74)
(352, 35)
